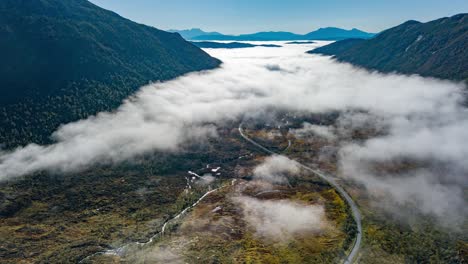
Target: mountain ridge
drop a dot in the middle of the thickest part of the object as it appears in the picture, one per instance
(193, 32)
(436, 48)
(230, 45)
(327, 33)
(69, 59)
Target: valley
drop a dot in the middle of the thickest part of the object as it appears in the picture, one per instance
(125, 226)
(109, 221)
(123, 143)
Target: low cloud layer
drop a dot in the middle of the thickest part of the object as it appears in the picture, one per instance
(423, 120)
(276, 169)
(308, 130)
(283, 219)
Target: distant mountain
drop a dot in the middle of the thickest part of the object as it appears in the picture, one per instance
(333, 33)
(230, 45)
(320, 34)
(300, 42)
(194, 32)
(259, 36)
(62, 60)
(437, 48)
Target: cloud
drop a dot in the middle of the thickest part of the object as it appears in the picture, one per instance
(155, 254)
(326, 132)
(276, 169)
(435, 187)
(281, 220)
(206, 179)
(417, 119)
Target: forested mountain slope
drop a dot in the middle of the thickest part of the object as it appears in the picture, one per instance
(437, 48)
(62, 60)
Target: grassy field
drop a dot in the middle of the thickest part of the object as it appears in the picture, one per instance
(217, 232)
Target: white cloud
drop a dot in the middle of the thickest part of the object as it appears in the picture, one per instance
(308, 129)
(276, 169)
(281, 220)
(423, 119)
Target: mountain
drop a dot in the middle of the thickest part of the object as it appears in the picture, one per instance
(437, 48)
(329, 33)
(333, 33)
(259, 36)
(230, 45)
(337, 47)
(63, 60)
(194, 32)
(300, 42)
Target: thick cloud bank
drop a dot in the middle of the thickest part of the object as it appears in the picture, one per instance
(423, 118)
(280, 220)
(276, 169)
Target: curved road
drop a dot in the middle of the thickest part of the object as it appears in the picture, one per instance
(120, 250)
(354, 209)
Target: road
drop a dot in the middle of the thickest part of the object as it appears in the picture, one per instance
(122, 249)
(354, 208)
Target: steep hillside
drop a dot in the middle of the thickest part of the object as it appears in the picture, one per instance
(63, 60)
(437, 48)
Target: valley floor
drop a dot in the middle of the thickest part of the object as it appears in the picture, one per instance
(56, 219)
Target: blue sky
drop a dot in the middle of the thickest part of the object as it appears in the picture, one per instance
(300, 16)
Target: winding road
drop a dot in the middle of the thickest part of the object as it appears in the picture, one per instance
(354, 208)
(122, 249)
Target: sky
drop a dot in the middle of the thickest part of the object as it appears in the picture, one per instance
(299, 16)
